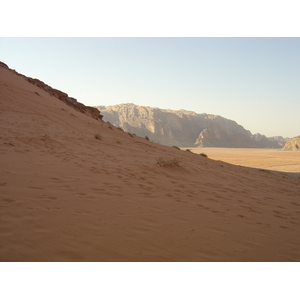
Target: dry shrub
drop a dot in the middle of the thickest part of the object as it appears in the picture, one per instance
(98, 136)
(45, 137)
(266, 171)
(203, 154)
(161, 162)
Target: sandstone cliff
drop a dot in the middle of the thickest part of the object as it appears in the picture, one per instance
(185, 128)
(292, 144)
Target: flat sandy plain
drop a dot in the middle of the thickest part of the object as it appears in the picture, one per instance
(68, 196)
(268, 159)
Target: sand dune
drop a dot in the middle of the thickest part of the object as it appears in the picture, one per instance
(68, 196)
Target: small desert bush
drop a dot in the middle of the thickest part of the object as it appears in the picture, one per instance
(161, 162)
(188, 150)
(121, 129)
(110, 126)
(176, 147)
(147, 138)
(264, 170)
(203, 154)
(97, 136)
(131, 134)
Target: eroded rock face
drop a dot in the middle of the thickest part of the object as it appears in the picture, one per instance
(167, 127)
(184, 128)
(293, 144)
(88, 110)
(225, 135)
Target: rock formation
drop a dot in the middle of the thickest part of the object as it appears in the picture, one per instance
(292, 144)
(185, 128)
(90, 111)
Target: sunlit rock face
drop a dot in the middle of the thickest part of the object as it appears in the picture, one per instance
(293, 144)
(184, 128)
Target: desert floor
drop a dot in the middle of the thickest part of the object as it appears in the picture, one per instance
(269, 159)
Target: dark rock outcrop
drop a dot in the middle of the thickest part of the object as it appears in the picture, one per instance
(185, 128)
(293, 144)
(3, 65)
(88, 110)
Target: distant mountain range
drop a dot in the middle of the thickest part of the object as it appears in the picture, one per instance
(185, 128)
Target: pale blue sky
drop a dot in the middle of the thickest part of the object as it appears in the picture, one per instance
(253, 81)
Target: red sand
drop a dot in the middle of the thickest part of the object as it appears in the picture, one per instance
(67, 196)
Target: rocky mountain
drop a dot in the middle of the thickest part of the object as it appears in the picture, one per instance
(185, 128)
(293, 144)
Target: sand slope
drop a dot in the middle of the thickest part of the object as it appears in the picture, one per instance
(67, 196)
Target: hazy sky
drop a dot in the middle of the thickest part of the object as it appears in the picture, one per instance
(253, 81)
